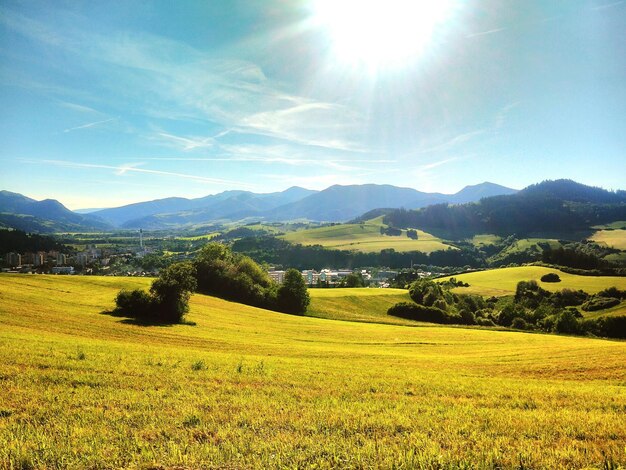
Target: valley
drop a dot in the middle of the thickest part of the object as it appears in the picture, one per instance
(335, 393)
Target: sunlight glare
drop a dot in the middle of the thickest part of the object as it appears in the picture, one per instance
(380, 32)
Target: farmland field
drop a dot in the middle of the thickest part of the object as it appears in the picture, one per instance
(362, 304)
(246, 387)
(615, 238)
(365, 237)
(503, 281)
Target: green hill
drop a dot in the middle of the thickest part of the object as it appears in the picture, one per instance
(503, 281)
(365, 237)
(250, 388)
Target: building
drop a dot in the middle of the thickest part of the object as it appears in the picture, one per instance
(83, 258)
(39, 259)
(277, 276)
(28, 258)
(62, 270)
(12, 260)
(310, 276)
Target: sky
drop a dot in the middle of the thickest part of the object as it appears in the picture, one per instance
(108, 103)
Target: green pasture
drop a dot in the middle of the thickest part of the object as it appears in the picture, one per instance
(503, 281)
(526, 244)
(484, 239)
(357, 304)
(250, 388)
(615, 238)
(619, 224)
(365, 237)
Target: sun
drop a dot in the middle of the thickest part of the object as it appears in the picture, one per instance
(379, 33)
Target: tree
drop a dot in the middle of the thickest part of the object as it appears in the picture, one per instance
(354, 280)
(172, 289)
(168, 298)
(550, 277)
(292, 294)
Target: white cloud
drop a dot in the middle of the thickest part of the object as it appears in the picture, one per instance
(121, 170)
(89, 124)
(162, 78)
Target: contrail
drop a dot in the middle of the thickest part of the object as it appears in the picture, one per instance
(91, 124)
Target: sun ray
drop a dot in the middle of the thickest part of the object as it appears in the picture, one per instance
(380, 33)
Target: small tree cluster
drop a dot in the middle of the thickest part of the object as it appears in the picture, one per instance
(228, 275)
(168, 299)
(532, 308)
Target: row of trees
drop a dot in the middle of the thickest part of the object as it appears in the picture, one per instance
(216, 271)
(532, 308)
(279, 252)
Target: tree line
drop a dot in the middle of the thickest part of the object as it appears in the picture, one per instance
(215, 271)
(553, 206)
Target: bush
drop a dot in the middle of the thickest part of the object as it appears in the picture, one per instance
(614, 327)
(509, 312)
(133, 303)
(600, 303)
(422, 313)
(613, 293)
(550, 277)
(485, 322)
(426, 292)
(467, 317)
(610, 327)
(568, 298)
(520, 324)
(566, 322)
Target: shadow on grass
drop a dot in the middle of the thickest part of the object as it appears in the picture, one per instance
(143, 321)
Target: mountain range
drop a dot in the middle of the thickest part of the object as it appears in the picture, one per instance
(49, 215)
(334, 204)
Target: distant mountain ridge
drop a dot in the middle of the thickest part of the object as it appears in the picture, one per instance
(334, 204)
(21, 212)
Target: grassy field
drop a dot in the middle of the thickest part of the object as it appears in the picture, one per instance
(525, 244)
(619, 224)
(249, 388)
(361, 304)
(484, 239)
(365, 237)
(503, 281)
(615, 238)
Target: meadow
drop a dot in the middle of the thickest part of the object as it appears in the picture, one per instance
(365, 237)
(614, 238)
(503, 281)
(250, 388)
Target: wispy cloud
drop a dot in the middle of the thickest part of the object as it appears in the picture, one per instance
(78, 107)
(432, 165)
(167, 79)
(502, 115)
(485, 33)
(90, 124)
(184, 143)
(121, 170)
(448, 143)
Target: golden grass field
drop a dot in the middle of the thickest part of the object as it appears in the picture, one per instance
(503, 281)
(365, 237)
(250, 388)
(611, 238)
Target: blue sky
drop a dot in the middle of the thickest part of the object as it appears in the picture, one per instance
(107, 103)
